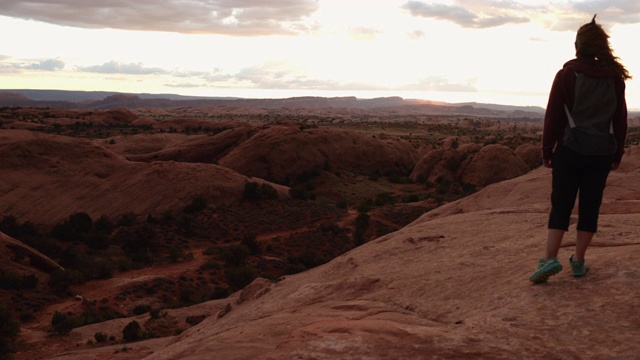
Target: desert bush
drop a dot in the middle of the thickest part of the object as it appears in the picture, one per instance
(195, 319)
(138, 243)
(333, 228)
(238, 278)
(132, 332)
(301, 193)
(251, 242)
(395, 178)
(9, 330)
(185, 224)
(384, 198)
(12, 227)
(254, 191)
(361, 222)
(409, 198)
(127, 219)
(73, 228)
(365, 206)
(99, 269)
(219, 292)
(295, 268)
(101, 337)
(141, 309)
(97, 240)
(198, 203)
(342, 204)
(62, 324)
(309, 174)
(176, 253)
(157, 313)
(61, 280)
(80, 222)
(186, 296)
(104, 225)
(26, 316)
(235, 255)
(210, 265)
(151, 219)
(11, 281)
(309, 259)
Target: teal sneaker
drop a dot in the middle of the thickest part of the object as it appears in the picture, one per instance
(579, 268)
(546, 268)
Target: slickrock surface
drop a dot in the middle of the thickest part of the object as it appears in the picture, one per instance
(451, 285)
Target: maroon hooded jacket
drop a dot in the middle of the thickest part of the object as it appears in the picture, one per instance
(562, 92)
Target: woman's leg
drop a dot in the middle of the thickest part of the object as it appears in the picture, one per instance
(565, 181)
(592, 186)
(554, 239)
(583, 239)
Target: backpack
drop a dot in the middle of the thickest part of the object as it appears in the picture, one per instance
(590, 128)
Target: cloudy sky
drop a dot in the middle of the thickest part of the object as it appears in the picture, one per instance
(498, 51)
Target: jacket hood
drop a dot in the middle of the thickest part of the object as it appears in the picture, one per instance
(589, 67)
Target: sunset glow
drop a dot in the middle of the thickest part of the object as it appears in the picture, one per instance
(503, 52)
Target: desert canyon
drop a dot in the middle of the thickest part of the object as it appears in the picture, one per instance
(305, 229)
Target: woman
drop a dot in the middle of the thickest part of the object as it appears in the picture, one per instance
(585, 127)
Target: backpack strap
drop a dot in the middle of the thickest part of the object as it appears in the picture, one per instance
(569, 117)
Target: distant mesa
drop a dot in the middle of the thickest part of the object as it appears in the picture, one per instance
(110, 100)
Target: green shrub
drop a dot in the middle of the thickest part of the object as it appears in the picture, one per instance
(254, 191)
(80, 222)
(133, 332)
(62, 324)
(61, 280)
(127, 219)
(238, 278)
(101, 337)
(219, 293)
(198, 204)
(235, 255)
(9, 330)
(11, 281)
(251, 242)
(104, 225)
(300, 193)
(97, 240)
(141, 309)
(176, 253)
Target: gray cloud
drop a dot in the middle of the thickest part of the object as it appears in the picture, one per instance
(231, 17)
(364, 32)
(417, 34)
(609, 11)
(184, 85)
(470, 14)
(48, 65)
(276, 76)
(493, 13)
(10, 65)
(115, 67)
(441, 83)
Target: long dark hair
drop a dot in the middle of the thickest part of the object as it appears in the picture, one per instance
(592, 41)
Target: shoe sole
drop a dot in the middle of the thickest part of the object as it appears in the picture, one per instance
(545, 275)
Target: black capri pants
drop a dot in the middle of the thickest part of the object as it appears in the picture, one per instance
(574, 174)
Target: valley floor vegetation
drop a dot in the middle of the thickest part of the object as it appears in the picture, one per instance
(328, 213)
